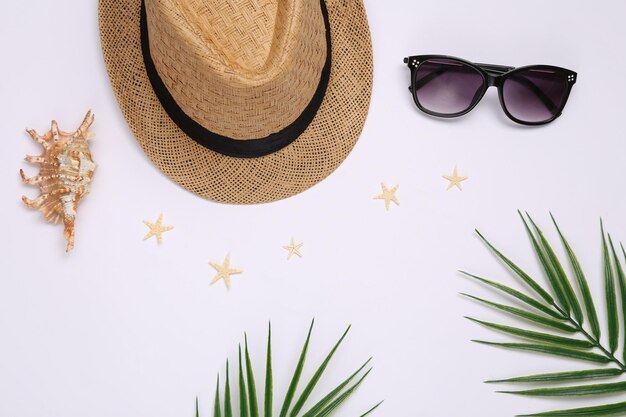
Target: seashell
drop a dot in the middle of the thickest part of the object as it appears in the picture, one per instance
(65, 174)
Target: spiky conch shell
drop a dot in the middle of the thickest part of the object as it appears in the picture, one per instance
(65, 174)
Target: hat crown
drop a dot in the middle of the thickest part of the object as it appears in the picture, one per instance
(244, 69)
(242, 30)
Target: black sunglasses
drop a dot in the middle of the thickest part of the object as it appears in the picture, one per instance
(446, 86)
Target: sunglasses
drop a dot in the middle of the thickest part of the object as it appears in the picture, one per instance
(446, 86)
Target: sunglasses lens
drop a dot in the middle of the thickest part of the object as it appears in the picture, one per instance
(535, 95)
(447, 86)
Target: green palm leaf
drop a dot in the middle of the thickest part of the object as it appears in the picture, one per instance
(253, 402)
(217, 411)
(582, 284)
(269, 383)
(316, 377)
(560, 275)
(228, 406)
(519, 272)
(293, 385)
(248, 401)
(550, 350)
(579, 390)
(555, 284)
(532, 317)
(623, 300)
(621, 280)
(565, 312)
(563, 376)
(518, 295)
(597, 411)
(539, 336)
(328, 410)
(243, 398)
(371, 410)
(611, 297)
(333, 394)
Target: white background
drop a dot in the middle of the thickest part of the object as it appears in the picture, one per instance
(122, 327)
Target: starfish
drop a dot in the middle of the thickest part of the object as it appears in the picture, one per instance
(455, 179)
(294, 249)
(156, 229)
(388, 195)
(224, 271)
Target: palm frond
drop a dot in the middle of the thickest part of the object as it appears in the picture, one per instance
(331, 395)
(330, 408)
(371, 410)
(248, 400)
(228, 406)
(551, 350)
(583, 286)
(519, 272)
(549, 273)
(518, 295)
(243, 396)
(611, 296)
(558, 308)
(597, 411)
(526, 315)
(269, 380)
(217, 408)
(557, 269)
(563, 376)
(577, 391)
(537, 336)
(621, 280)
(293, 385)
(253, 402)
(316, 377)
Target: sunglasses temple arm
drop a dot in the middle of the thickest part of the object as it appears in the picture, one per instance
(538, 93)
(489, 68)
(416, 85)
(430, 77)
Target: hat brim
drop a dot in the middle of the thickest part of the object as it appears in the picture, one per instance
(313, 156)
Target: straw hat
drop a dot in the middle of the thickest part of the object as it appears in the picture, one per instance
(241, 101)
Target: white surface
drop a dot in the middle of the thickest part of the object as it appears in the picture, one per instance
(121, 327)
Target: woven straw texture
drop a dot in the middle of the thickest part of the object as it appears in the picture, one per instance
(310, 158)
(225, 75)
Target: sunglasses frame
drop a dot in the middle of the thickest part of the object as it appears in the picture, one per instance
(493, 76)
